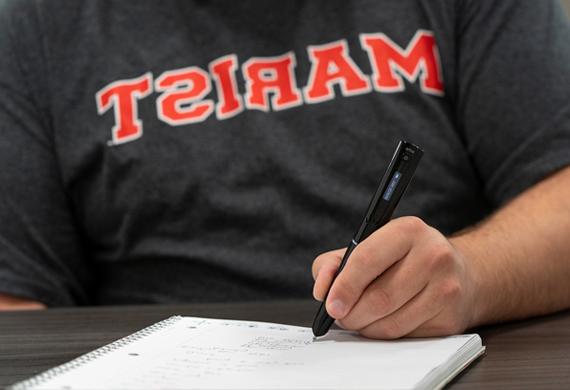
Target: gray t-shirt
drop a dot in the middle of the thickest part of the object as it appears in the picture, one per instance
(184, 151)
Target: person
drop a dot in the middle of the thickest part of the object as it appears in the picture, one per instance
(207, 151)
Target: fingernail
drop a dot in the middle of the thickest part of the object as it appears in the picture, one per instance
(337, 308)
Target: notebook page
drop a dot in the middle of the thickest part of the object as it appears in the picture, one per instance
(223, 354)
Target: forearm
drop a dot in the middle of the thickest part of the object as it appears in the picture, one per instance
(11, 302)
(520, 256)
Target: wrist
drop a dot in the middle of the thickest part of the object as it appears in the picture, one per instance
(476, 281)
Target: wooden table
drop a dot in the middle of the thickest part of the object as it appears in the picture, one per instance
(532, 354)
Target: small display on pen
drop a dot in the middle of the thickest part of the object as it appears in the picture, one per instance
(392, 186)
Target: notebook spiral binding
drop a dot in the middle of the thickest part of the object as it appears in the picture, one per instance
(93, 355)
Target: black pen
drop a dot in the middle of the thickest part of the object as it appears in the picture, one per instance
(392, 186)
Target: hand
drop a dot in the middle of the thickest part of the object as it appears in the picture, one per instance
(406, 279)
(11, 302)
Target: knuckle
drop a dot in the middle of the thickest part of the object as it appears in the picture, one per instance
(414, 225)
(450, 289)
(321, 259)
(320, 263)
(440, 256)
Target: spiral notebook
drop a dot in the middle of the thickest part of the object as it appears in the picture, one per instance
(201, 353)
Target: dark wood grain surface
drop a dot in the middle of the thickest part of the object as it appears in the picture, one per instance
(526, 354)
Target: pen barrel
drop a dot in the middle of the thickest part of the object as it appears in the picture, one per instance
(389, 192)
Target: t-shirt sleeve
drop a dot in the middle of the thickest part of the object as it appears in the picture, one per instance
(41, 254)
(513, 97)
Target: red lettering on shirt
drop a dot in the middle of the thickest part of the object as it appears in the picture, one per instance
(390, 62)
(182, 101)
(264, 75)
(123, 95)
(332, 64)
(270, 82)
(229, 101)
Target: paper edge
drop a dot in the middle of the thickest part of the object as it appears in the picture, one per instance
(461, 368)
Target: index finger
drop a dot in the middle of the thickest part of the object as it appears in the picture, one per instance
(330, 257)
(325, 268)
(369, 260)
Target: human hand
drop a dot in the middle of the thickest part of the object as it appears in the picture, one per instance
(405, 279)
